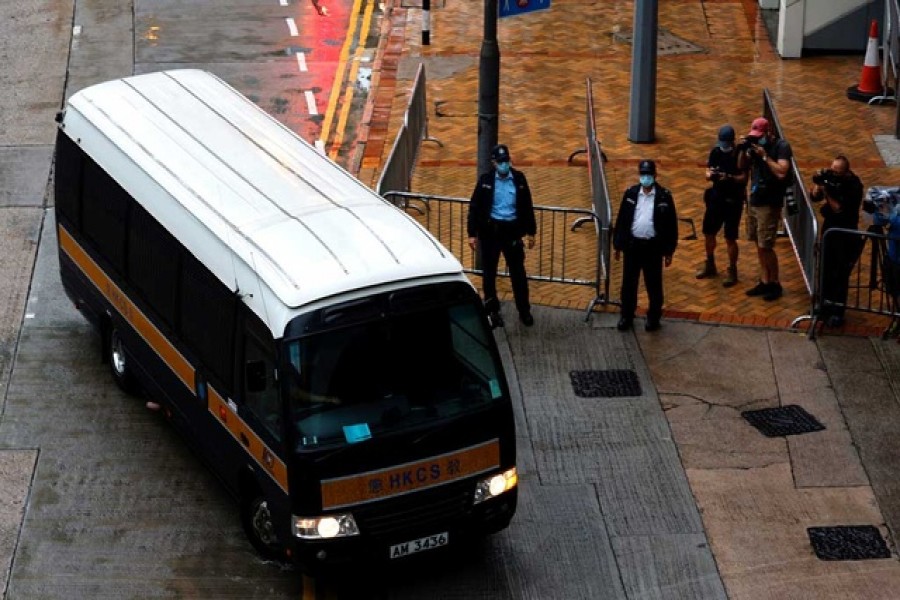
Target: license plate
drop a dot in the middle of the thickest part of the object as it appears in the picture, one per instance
(429, 542)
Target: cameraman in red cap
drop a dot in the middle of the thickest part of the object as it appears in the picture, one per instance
(769, 161)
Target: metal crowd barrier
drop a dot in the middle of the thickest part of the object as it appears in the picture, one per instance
(866, 291)
(398, 168)
(802, 228)
(562, 255)
(601, 214)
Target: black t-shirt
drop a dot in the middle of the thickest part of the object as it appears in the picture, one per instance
(765, 188)
(726, 162)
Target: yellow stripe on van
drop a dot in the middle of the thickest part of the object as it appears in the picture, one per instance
(179, 365)
(410, 477)
(245, 436)
(172, 357)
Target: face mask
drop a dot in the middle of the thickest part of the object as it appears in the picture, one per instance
(763, 140)
(646, 180)
(503, 168)
(725, 146)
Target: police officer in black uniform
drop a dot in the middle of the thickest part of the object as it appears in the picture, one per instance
(501, 214)
(646, 232)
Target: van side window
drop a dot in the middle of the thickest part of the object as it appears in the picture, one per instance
(153, 263)
(103, 214)
(207, 317)
(68, 179)
(261, 395)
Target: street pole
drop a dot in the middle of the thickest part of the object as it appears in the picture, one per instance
(642, 116)
(426, 22)
(488, 88)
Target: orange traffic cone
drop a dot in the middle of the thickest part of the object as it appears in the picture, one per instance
(870, 80)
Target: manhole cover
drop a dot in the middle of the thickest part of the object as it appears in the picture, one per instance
(783, 420)
(605, 384)
(848, 542)
(666, 42)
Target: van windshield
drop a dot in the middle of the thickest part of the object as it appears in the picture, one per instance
(350, 384)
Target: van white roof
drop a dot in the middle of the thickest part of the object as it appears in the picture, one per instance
(243, 193)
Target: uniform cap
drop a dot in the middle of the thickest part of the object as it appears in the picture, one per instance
(500, 153)
(647, 167)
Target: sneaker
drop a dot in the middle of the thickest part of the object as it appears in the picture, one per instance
(527, 319)
(707, 270)
(731, 278)
(652, 325)
(774, 293)
(624, 324)
(495, 320)
(759, 289)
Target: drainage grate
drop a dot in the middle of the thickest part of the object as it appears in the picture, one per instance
(606, 384)
(783, 420)
(848, 542)
(666, 42)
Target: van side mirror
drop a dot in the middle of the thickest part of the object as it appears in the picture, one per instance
(255, 376)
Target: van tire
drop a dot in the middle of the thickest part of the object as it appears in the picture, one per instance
(118, 361)
(259, 528)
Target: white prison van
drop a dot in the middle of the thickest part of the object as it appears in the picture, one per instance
(316, 346)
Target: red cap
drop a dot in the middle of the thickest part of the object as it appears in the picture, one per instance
(759, 127)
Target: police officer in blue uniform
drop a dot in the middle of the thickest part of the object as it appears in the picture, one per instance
(501, 214)
(646, 233)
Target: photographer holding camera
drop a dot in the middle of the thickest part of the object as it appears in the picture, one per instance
(769, 160)
(724, 202)
(841, 194)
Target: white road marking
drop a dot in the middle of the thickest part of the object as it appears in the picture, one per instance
(311, 102)
(76, 31)
(301, 61)
(282, 2)
(292, 26)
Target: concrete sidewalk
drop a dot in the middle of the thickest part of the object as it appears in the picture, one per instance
(683, 479)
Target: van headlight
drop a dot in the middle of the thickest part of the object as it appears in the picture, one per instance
(493, 486)
(324, 528)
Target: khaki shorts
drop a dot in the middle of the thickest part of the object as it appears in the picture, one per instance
(762, 225)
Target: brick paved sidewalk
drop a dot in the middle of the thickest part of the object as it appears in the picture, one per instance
(716, 75)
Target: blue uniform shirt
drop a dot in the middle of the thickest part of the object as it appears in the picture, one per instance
(504, 207)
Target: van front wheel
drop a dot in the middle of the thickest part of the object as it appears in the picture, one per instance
(257, 521)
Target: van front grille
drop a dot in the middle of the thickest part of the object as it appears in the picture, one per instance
(416, 512)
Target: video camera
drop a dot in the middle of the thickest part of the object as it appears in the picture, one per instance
(747, 143)
(826, 177)
(885, 200)
(831, 181)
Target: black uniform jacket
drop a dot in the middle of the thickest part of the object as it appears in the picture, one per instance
(665, 220)
(483, 199)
